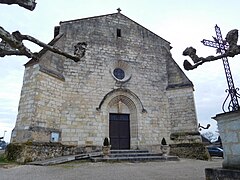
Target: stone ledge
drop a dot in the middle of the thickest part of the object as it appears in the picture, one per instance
(221, 174)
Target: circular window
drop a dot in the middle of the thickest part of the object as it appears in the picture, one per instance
(119, 73)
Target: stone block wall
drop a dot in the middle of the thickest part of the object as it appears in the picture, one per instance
(141, 51)
(75, 98)
(27, 101)
(40, 107)
(182, 110)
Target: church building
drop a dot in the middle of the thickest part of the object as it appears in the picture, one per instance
(126, 86)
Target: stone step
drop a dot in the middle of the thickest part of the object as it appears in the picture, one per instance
(135, 159)
(52, 161)
(64, 159)
(133, 154)
(128, 151)
(115, 156)
(88, 156)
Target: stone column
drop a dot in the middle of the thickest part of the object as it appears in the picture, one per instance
(229, 129)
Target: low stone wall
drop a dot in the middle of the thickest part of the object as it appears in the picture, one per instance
(33, 151)
(190, 150)
(37, 151)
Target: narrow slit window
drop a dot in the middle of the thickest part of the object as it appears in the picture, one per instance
(119, 33)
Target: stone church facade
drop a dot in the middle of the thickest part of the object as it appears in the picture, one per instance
(126, 86)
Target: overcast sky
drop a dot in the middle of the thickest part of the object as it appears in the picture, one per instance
(183, 23)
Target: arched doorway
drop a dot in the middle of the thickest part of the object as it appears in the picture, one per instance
(124, 106)
(122, 121)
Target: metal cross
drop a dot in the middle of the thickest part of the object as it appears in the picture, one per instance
(222, 46)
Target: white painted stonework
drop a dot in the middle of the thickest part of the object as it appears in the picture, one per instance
(229, 129)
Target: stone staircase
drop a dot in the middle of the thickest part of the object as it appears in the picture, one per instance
(132, 156)
(114, 156)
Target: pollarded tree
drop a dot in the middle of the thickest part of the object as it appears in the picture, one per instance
(12, 43)
(28, 4)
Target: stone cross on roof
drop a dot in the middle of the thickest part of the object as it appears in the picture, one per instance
(119, 10)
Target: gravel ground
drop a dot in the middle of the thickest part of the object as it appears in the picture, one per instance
(183, 169)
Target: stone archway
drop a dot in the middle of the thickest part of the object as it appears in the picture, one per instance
(122, 101)
(122, 121)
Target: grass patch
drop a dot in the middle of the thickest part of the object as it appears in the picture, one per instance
(3, 159)
(5, 163)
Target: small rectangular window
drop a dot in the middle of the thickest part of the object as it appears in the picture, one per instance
(54, 136)
(119, 33)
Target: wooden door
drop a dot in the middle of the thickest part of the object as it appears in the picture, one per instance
(119, 131)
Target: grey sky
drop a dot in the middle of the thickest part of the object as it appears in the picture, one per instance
(183, 23)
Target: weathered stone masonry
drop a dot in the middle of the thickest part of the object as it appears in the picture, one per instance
(74, 100)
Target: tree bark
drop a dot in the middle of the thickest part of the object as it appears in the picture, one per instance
(11, 42)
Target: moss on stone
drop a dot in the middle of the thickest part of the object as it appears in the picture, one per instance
(29, 142)
(176, 135)
(190, 150)
(34, 151)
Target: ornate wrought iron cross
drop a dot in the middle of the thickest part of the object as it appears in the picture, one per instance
(222, 46)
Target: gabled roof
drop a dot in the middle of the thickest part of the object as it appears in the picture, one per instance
(112, 14)
(59, 36)
(176, 77)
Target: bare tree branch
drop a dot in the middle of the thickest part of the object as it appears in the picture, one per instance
(27, 4)
(12, 45)
(21, 37)
(233, 50)
(6, 50)
(200, 127)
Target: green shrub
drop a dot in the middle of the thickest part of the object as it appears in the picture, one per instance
(3, 158)
(106, 142)
(164, 141)
(13, 151)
